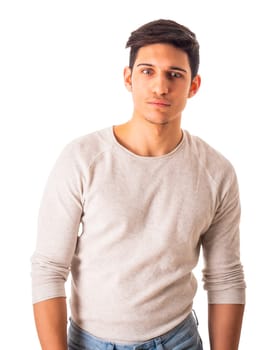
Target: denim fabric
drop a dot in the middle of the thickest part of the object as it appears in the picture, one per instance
(183, 337)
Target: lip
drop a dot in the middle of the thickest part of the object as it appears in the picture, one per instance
(160, 103)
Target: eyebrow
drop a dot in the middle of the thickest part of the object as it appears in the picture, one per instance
(171, 67)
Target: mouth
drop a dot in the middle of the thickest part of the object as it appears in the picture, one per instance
(159, 103)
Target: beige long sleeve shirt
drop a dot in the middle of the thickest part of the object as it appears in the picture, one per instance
(143, 220)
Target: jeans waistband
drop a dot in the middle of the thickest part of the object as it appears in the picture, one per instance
(152, 343)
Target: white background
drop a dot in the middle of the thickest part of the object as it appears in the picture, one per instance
(61, 65)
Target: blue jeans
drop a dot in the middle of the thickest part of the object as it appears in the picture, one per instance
(185, 336)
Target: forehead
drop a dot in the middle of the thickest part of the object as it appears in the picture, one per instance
(163, 55)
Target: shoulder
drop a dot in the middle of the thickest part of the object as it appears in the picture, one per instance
(217, 166)
(88, 147)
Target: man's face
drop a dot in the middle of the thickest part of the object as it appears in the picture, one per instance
(160, 83)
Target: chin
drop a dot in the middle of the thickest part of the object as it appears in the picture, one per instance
(157, 121)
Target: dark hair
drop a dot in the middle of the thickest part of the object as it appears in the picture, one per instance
(165, 31)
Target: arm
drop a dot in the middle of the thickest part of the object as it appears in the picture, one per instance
(58, 224)
(223, 273)
(225, 321)
(51, 323)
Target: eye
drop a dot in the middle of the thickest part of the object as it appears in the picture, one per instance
(146, 71)
(174, 74)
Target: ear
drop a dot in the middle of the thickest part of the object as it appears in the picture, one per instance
(127, 78)
(195, 85)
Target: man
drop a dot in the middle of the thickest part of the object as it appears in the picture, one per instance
(148, 195)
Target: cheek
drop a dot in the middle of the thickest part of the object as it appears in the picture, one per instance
(139, 92)
(184, 91)
(137, 98)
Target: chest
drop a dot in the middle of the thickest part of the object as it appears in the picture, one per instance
(162, 201)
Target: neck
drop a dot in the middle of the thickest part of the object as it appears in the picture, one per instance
(147, 139)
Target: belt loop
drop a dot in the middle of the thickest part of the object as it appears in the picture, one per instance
(158, 343)
(196, 319)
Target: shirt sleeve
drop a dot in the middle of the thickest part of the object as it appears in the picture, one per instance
(223, 274)
(58, 226)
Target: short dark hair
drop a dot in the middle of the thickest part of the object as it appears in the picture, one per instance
(165, 31)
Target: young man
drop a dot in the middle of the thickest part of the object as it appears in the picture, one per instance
(148, 195)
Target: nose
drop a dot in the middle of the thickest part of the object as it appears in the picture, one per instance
(160, 85)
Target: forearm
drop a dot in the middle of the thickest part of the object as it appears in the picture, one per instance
(225, 321)
(51, 323)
